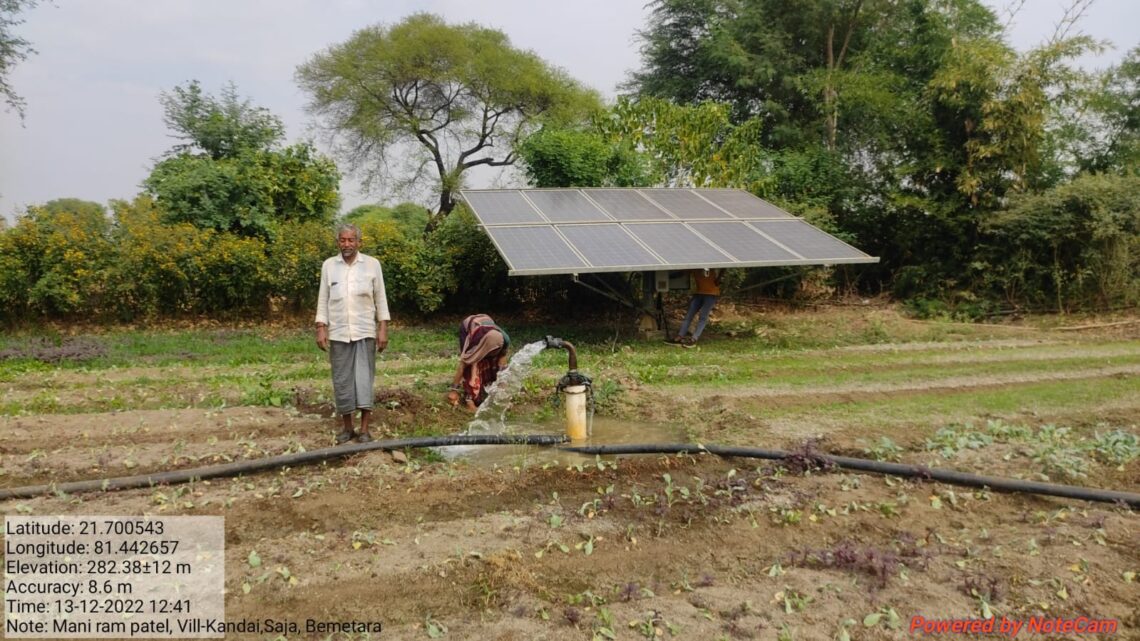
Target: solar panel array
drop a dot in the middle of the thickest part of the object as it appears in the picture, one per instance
(572, 231)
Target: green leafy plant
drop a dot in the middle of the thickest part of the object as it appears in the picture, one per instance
(948, 441)
(1116, 447)
(884, 449)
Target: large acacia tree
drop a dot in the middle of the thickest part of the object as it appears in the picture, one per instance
(453, 97)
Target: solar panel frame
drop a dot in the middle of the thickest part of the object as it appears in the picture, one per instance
(746, 244)
(503, 207)
(805, 239)
(626, 230)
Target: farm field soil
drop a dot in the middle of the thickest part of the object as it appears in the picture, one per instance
(685, 547)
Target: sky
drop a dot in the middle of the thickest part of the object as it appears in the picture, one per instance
(93, 127)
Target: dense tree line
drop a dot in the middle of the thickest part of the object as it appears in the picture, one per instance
(908, 127)
(981, 176)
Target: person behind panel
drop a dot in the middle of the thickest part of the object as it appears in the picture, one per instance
(706, 291)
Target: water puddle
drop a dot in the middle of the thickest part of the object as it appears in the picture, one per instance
(605, 431)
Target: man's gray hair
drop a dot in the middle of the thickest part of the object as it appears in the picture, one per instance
(347, 227)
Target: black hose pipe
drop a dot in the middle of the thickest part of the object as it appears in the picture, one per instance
(952, 477)
(258, 465)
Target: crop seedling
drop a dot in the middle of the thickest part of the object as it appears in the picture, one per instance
(948, 441)
(1007, 433)
(587, 598)
(807, 458)
(435, 629)
(884, 450)
(651, 626)
(843, 634)
(604, 625)
(573, 616)
(986, 589)
(1060, 461)
(786, 516)
(885, 616)
(793, 601)
(629, 592)
(1116, 447)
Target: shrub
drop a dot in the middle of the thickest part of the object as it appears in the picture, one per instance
(56, 259)
(154, 272)
(294, 260)
(1073, 246)
(417, 275)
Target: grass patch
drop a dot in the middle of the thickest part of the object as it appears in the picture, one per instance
(210, 367)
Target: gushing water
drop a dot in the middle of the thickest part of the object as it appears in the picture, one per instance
(491, 415)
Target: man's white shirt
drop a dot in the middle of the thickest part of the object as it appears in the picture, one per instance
(352, 298)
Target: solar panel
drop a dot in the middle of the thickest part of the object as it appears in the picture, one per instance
(609, 246)
(626, 204)
(806, 240)
(565, 206)
(744, 243)
(677, 244)
(571, 231)
(685, 204)
(743, 204)
(534, 248)
(502, 207)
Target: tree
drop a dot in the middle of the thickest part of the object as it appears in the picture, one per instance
(409, 218)
(219, 127)
(231, 175)
(453, 96)
(688, 145)
(680, 52)
(1100, 131)
(13, 50)
(936, 120)
(577, 158)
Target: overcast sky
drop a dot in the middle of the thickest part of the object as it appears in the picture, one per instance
(93, 125)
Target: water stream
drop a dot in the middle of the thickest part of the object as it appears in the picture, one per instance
(491, 416)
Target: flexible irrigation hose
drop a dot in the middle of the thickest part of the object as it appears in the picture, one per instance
(257, 465)
(895, 469)
(303, 458)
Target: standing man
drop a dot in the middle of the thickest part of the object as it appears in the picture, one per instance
(352, 326)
